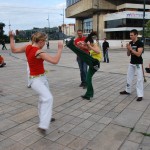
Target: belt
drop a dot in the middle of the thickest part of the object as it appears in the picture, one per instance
(40, 75)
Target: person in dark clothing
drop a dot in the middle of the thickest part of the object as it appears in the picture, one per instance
(135, 50)
(4, 46)
(47, 44)
(148, 69)
(82, 64)
(105, 50)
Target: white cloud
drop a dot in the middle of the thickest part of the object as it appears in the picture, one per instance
(61, 6)
(26, 15)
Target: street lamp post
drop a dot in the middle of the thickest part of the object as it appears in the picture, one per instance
(9, 25)
(63, 23)
(144, 2)
(48, 25)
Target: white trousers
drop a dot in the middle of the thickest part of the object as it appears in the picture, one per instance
(28, 74)
(132, 69)
(41, 86)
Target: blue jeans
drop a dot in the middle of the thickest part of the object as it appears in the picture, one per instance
(83, 69)
(106, 56)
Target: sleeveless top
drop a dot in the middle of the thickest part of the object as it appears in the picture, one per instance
(95, 55)
(35, 65)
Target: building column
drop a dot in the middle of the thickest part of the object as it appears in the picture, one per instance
(78, 25)
(99, 25)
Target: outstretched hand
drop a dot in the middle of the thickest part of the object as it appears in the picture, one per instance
(11, 34)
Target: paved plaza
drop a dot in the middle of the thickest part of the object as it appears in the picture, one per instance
(109, 121)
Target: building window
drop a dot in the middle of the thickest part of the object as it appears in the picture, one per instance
(124, 23)
(118, 35)
(87, 25)
(71, 2)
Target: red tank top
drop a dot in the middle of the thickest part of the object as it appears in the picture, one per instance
(35, 65)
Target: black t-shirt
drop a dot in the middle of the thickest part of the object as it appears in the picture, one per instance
(134, 58)
(105, 45)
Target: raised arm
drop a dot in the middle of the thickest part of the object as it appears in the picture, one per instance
(52, 59)
(94, 47)
(12, 44)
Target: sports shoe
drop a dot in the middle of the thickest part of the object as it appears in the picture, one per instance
(85, 97)
(84, 87)
(124, 93)
(42, 131)
(147, 70)
(139, 99)
(81, 85)
(53, 119)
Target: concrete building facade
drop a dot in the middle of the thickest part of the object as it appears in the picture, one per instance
(68, 29)
(112, 19)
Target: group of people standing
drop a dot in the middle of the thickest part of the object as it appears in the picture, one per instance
(134, 49)
(88, 54)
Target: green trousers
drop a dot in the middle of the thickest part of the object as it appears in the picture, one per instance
(90, 61)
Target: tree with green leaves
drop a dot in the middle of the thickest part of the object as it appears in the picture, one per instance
(147, 29)
(2, 25)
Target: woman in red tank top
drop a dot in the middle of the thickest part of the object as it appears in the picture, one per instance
(38, 80)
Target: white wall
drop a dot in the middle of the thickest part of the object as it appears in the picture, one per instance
(116, 43)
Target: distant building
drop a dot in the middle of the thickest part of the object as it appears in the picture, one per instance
(111, 18)
(68, 29)
(52, 33)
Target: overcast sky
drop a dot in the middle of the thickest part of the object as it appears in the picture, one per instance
(27, 14)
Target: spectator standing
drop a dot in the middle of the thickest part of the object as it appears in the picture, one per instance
(82, 64)
(105, 46)
(3, 44)
(135, 49)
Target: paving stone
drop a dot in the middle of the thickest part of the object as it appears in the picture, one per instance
(143, 147)
(105, 120)
(86, 124)
(94, 118)
(111, 114)
(6, 144)
(6, 124)
(76, 121)
(25, 116)
(139, 106)
(2, 137)
(77, 130)
(85, 115)
(67, 127)
(98, 127)
(76, 113)
(16, 129)
(129, 146)
(128, 118)
(66, 139)
(55, 146)
(140, 128)
(146, 141)
(89, 134)
(135, 137)
(78, 144)
(42, 144)
(101, 112)
(55, 135)
(30, 139)
(19, 136)
(112, 136)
